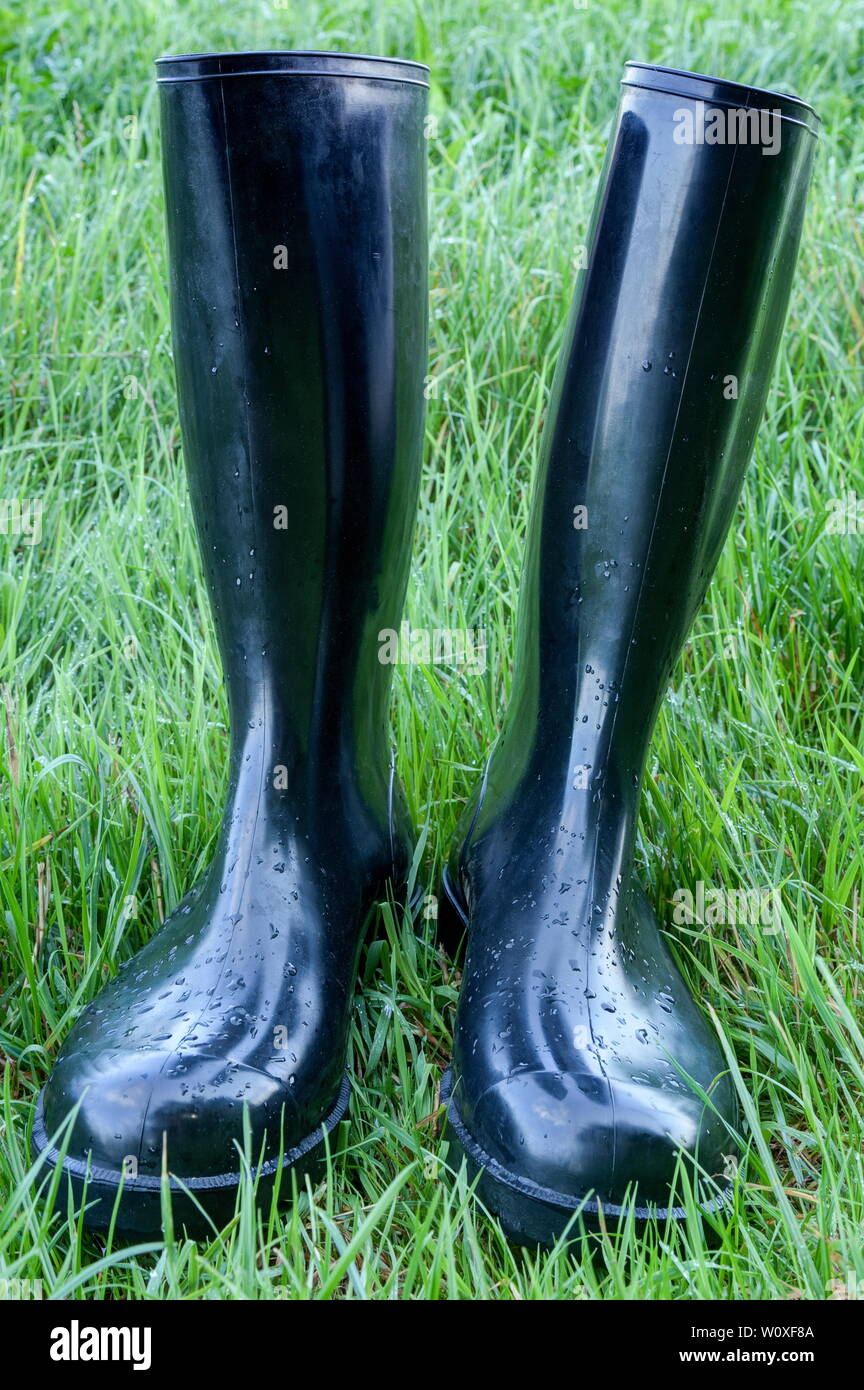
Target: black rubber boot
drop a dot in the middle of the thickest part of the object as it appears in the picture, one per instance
(296, 206)
(581, 1068)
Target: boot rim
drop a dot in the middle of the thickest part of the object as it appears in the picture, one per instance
(311, 62)
(719, 91)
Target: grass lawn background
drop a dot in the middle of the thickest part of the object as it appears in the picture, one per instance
(113, 721)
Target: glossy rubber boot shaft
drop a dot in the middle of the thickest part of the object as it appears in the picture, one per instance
(659, 390)
(297, 240)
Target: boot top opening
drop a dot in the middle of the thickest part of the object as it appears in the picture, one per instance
(718, 91)
(191, 67)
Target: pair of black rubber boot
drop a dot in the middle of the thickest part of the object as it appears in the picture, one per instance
(583, 1076)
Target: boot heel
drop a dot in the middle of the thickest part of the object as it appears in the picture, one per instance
(452, 919)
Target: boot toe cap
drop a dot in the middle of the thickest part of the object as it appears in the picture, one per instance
(579, 1134)
(133, 1109)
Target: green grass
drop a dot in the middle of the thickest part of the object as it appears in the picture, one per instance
(113, 723)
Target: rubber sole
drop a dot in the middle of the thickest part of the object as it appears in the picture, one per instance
(452, 920)
(140, 1206)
